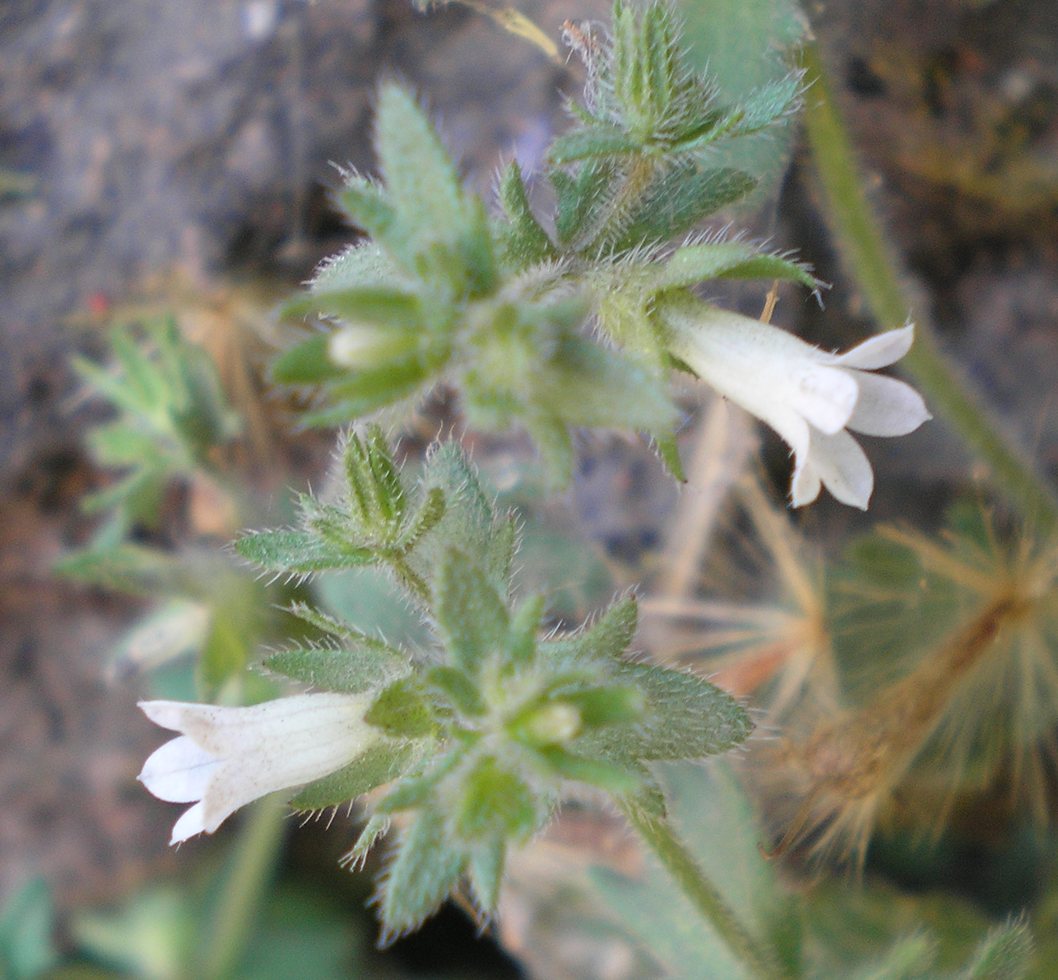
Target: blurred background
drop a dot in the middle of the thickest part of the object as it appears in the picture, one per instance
(163, 158)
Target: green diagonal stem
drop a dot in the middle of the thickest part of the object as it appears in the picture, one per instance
(866, 256)
(658, 835)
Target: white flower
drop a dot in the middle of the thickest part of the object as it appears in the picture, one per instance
(808, 396)
(228, 757)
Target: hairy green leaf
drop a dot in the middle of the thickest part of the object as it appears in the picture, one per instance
(299, 552)
(676, 201)
(363, 392)
(605, 639)
(524, 242)
(402, 711)
(425, 868)
(471, 615)
(371, 304)
(485, 870)
(306, 363)
(590, 142)
(379, 764)
(693, 264)
(686, 717)
(494, 803)
(362, 663)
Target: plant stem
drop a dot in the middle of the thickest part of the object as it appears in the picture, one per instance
(245, 884)
(658, 835)
(871, 263)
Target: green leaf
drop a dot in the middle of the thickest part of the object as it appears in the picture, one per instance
(620, 780)
(470, 523)
(746, 45)
(485, 870)
(298, 552)
(120, 443)
(605, 639)
(364, 264)
(369, 390)
(762, 106)
(471, 615)
(376, 496)
(686, 718)
(669, 454)
(420, 177)
(525, 624)
(693, 264)
(369, 207)
(525, 242)
(306, 363)
(401, 711)
(369, 304)
(589, 142)
(422, 182)
(429, 514)
(580, 199)
(128, 568)
(460, 690)
(360, 664)
(676, 201)
(499, 553)
(425, 868)
(377, 826)
(741, 43)
(494, 803)
(381, 763)
(599, 707)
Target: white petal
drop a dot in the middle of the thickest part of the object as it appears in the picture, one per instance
(825, 396)
(843, 467)
(166, 714)
(760, 367)
(229, 757)
(179, 771)
(879, 351)
(805, 483)
(189, 824)
(886, 407)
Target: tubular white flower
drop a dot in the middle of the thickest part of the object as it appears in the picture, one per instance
(808, 396)
(228, 757)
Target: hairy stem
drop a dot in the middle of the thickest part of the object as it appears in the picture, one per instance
(872, 265)
(658, 835)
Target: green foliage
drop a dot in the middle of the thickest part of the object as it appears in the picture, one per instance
(171, 414)
(833, 930)
(497, 308)
(482, 730)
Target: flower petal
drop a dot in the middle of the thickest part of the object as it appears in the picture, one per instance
(179, 771)
(189, 824)
(166, 714)
(825, 396)
(878, 351)
(760, 367)
(805, 483)
(843, 467)
(886, 407)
